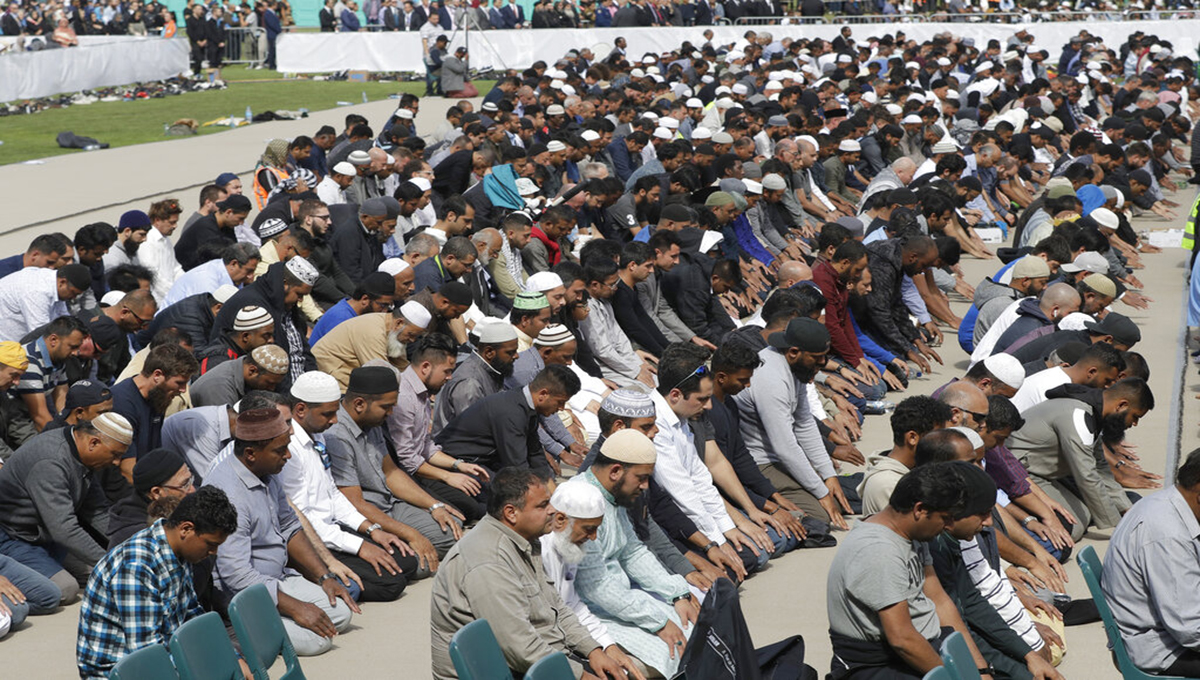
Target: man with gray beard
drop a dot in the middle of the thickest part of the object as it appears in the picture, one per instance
(484, 289)
(354, 342)
(578, 513)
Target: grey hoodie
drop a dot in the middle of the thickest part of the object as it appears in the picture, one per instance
(991, 299)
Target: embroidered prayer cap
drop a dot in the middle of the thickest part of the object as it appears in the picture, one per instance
(628, 403)
(553, 335)
(303, 270)
(530, 300)
(114, 426)
(271, 358)
(261, 424)
(252, 318)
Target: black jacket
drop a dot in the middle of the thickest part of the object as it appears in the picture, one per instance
(201, 242)
(267, 292)
(357, 251)
(498, 432)
(192, 315)
(887, 318)
(1029, 318)
(689, 292)
(636, 322)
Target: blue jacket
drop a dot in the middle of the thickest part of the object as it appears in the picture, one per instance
(623, 161)
(270, 21)
(350, 23)
(603, 18)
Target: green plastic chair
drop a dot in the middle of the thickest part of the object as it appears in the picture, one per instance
(476, 653)
(940, 673)
(957, 657)
(148, 663)
(262, 635)
(1092, 568)
(202, 650)
(551, 667)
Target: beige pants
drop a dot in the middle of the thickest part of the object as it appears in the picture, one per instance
(1056, 653)
(791, 490)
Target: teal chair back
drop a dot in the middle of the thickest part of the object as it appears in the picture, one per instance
(476, 653)
(551, 667)
(262, 635)
(148, 663)
(957, 657)
(1093, 569)
(202, 650)
(940, 673)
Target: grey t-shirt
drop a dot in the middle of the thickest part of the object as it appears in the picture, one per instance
(874, 569)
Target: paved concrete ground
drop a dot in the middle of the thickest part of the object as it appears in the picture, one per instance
(390, 640)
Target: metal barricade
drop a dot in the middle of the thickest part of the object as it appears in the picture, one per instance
(245, 46)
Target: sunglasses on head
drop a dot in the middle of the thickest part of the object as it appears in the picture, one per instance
(701, 371)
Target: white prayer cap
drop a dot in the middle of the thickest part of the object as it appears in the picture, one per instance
(701, 133)
(912, 119)
(112, 297)
(554, 146)
(629, 446)
(345, 168)
(421, 183)
(526, 186)
(221, 294)
(753, 187)
(1006, 368)
(316, 387)
(393, 266)
(972, 435)
(725, 103)
(740, 88)
(694, 103)
(870, 98)
(416, 314)
(663, 133)
(406, 114)
(578, 499)
(710, 240)
(944, 145)
(495, 332)
(724, 89)
(669, 123)
(773, 86)
(650, 114)
(894, 110)
(544, 281)
(589, 135)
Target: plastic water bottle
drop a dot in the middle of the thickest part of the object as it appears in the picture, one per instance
(877, 407)
(249, 116)
(166, 128)
(365, 100)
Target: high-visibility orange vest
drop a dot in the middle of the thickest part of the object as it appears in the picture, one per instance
(260, 192)
(169, 29)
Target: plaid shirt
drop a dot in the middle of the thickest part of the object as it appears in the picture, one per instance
(137, 596)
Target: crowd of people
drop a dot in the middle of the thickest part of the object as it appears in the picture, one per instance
(686, 281)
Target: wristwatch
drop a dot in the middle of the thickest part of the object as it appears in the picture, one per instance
(435, 506)
(711, 545)
(328, 575)
(371, 529)
(455, 465)
(1029, 519)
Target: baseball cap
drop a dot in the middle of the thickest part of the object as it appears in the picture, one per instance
(1086, 262)
(1123, 330)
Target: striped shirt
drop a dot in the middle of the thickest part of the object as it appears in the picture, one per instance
(42, 375)
(137, 596)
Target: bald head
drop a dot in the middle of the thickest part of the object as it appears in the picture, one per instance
(785, 145)
(1059, 300)
(904, 168)
(967, 403)
(793, 272)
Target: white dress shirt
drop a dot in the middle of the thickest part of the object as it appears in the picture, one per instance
(681, 473)
(309, 483)
(330, 191)
(28, 300)
(158, 255)
(202, 279)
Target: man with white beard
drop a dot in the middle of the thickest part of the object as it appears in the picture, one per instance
(356, 341)
(578, 512)
(645, 608)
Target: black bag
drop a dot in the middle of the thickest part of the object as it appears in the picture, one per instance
(720, 647)
(70, 140)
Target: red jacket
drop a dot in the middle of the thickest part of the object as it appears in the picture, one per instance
(842, 340)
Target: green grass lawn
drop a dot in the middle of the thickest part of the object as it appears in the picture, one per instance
(136, 122)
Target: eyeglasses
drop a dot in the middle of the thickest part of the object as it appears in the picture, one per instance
(187, 484)
(324, 217)
(141, 322)
(980, 418)
(701, 371)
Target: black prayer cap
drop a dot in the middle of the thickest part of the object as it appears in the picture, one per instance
(373, 380)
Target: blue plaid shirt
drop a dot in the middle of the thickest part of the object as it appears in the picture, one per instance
(137, 596)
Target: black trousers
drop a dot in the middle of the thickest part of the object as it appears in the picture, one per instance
(472, 507)
(1186, 666)
(382, 587)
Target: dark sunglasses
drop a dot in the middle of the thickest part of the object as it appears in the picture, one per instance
(701, 371)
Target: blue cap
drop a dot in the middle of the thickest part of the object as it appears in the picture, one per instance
(134, 219)
(225, 178)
